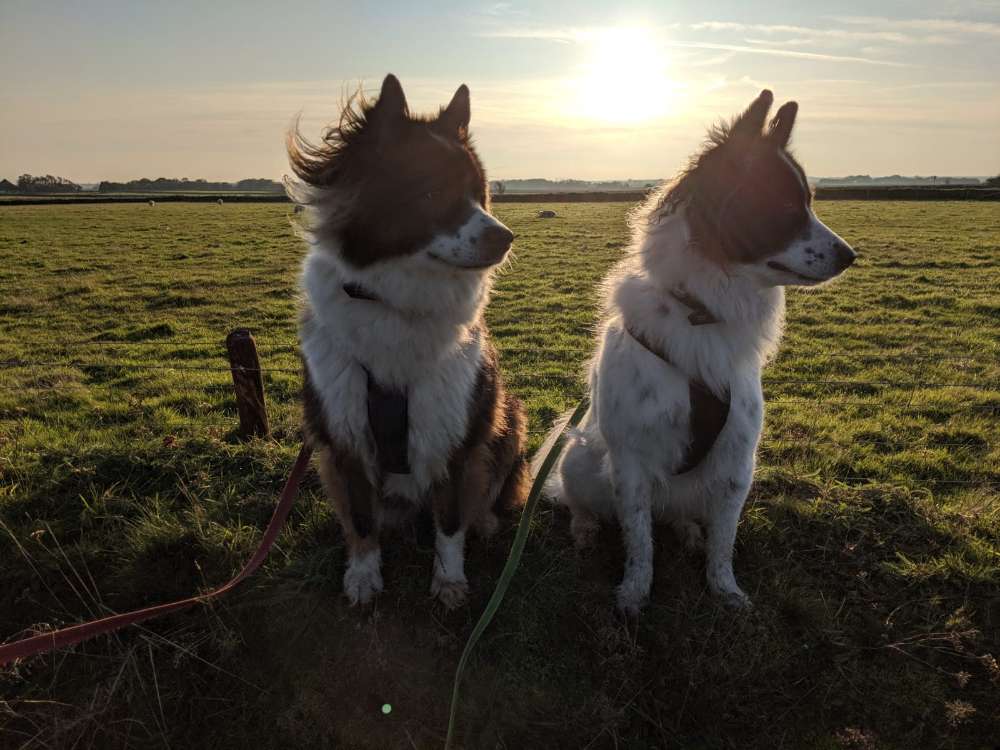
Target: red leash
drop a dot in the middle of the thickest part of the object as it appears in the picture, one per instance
(39, 644)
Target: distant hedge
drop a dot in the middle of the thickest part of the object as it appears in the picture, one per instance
(902, 193)
(829, 193)
(906, 193)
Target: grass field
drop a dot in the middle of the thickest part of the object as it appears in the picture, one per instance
(870, 545)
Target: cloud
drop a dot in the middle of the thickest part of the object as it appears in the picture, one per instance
(503, 9)
(942, 25)
(785, 42)
(788, 53)
(846, 35)
(568, 35)
(711, 61)
(564, 35)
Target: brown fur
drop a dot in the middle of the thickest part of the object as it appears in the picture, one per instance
(347, 491)
(724, 186)
(488, 473)
(381, 158)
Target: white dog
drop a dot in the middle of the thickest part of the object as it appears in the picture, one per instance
(690, 317)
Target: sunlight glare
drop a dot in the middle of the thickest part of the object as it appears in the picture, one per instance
(625, 79)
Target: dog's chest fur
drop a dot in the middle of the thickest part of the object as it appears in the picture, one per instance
(434, 359)
(643, 401)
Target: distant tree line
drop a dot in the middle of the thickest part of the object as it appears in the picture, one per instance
(862, 180)
(543, 185)
(168, 184)
(27, 183)
(42, 184)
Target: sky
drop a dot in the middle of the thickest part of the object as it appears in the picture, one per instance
(116, 89)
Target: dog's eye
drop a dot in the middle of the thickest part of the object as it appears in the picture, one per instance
(432, 195)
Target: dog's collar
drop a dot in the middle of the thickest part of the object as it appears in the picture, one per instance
(356, 291)
(700, 315)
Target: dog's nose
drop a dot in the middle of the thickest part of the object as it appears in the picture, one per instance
(496, 241)
(844, 255)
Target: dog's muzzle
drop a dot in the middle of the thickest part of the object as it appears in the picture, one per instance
(494, 243)
(844, 256)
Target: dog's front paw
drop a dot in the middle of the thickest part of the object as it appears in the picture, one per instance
(451, 592)
(363, 579)
(631, 598)
(722, 584)
(736, 600)
(733, 597)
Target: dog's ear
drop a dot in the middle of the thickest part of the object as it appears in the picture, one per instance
(454, 119)
(780, 130)
(390, 108)
(751, 122)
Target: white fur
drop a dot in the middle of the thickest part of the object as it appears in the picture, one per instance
(419, 337)
(404, 343)
(363, 578)
(449, 583)
(621, 462)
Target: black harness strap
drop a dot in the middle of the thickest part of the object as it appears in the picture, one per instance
(708, 413)
(356, 291)
(389, 419)
(708, 418)
(388, 412)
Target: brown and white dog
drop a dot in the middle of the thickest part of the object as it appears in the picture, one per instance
(403, 399)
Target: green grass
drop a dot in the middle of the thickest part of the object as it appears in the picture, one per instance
(870, 545)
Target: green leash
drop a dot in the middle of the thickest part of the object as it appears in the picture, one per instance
(513, 560)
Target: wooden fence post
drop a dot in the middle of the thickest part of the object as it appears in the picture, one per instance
(248, 383)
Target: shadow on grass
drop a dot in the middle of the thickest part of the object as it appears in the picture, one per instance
(844, 638)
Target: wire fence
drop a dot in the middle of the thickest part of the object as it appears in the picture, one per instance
(48, 373)
(76, 340)
(565, 379)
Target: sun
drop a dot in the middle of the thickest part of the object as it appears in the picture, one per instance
(625, 78)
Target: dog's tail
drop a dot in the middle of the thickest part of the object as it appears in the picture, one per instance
(553, 487)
